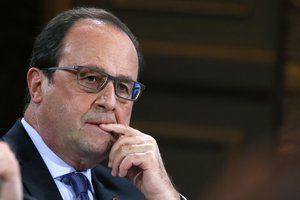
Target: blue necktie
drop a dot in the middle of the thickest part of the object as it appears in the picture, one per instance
(79, 184)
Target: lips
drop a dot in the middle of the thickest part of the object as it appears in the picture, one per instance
(97, 124)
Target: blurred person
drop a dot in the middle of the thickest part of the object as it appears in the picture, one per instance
(265, 172)
(10, 178)
(82, 84)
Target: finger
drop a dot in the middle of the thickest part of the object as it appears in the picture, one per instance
(8, 162)
(120, 129)
(126, 140)
(135, 161)
(135, 174)
(6, 154)
(124, 151)
(122, 145)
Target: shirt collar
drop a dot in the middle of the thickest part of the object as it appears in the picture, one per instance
(56, 166)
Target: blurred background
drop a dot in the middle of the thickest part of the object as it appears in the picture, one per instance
(220, 74)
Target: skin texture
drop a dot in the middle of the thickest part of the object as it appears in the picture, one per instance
(10, 178)
(85, 128)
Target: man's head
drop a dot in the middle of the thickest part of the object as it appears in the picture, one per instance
(63, 108)
(49, 43)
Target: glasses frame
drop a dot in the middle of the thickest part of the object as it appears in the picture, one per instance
(109, 77)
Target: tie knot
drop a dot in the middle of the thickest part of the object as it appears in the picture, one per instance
(79, 184)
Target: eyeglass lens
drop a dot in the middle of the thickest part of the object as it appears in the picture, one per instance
(95, 81)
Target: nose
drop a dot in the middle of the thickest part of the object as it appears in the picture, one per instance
(106, 98)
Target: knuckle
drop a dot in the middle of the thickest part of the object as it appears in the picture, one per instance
(125, 149)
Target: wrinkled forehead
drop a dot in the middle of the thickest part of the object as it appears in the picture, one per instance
(94, 43)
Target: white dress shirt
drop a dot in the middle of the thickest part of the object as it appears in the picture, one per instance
(56, 166)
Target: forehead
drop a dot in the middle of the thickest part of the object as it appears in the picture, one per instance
(94, 43)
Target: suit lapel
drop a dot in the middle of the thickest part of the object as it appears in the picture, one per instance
(37, 179)
(101, 192)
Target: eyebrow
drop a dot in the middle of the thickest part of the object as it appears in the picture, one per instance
(100, 69)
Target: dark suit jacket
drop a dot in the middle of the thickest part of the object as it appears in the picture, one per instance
(37, 180)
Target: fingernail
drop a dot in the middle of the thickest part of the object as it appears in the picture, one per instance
(101, 125)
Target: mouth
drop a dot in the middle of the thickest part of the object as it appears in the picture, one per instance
(101, 131)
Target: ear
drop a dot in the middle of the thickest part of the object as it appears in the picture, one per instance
(35, 78)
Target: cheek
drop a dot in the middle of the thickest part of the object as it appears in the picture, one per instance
(76, 108)
(57, 110)
(66, 107)
(123, 114)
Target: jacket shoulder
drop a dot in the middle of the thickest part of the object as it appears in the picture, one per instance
(2, 132)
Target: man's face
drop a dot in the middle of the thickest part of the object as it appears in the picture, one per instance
(70, 115)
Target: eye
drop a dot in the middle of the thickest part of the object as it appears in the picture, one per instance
(90, 79)
(124, 88)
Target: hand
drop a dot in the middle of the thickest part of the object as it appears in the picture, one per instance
(136, 155)
(10, 178)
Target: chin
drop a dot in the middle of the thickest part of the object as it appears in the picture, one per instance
(99, 149)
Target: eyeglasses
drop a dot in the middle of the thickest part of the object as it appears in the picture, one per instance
(94, 80)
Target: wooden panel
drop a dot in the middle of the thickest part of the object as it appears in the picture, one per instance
(206, 113)
(204, 51)
(191, 131)
(213, 7)
(52, 8)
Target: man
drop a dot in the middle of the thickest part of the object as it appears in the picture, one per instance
(10, 178)
(82, 85)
